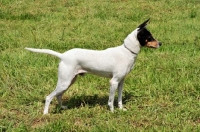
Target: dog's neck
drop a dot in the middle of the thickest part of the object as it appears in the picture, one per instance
(131, 42)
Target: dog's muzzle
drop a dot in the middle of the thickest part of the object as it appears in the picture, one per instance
(158, 44)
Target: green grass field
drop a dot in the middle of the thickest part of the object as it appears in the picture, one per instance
(162, 93)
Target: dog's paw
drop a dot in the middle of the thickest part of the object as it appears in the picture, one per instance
(112, 109)
(45, 113)
(123, 109)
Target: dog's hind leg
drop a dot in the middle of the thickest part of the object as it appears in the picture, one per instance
(60, 89)
(65, 78)
(59, 96)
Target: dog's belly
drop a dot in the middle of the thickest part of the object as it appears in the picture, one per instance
(82, 71)
(100, 73)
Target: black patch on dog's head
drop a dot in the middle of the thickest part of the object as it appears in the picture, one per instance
(144, 35)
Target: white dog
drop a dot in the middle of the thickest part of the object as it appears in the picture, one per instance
(114, 63)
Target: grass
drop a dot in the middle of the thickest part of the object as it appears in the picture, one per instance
(162, 93)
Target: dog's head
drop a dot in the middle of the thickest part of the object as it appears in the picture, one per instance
(145, 38)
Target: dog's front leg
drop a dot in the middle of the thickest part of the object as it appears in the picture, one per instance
(120, 88)
(113, 87)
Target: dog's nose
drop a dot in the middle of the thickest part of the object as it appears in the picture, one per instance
(159, 43)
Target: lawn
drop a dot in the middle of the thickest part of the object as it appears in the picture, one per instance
(161, 93)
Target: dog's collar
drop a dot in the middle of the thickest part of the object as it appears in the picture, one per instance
(130, 50)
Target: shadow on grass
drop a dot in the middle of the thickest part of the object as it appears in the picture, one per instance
(82, 100)
(91, 101)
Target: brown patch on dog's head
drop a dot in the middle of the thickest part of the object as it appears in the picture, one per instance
(153, 44)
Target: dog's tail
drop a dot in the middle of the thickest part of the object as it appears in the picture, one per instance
(46, 51)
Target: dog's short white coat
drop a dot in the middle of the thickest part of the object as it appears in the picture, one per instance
(114, 63)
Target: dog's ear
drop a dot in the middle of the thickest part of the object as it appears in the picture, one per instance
(143, 25)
